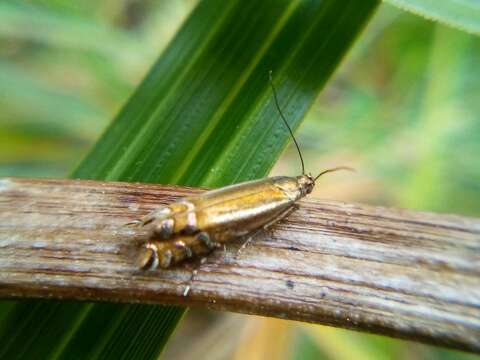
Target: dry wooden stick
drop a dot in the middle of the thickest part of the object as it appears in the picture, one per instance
(405, 274)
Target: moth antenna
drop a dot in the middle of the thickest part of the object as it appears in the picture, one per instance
(285, 120)
(332, 170)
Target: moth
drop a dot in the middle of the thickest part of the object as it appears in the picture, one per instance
(194, 226)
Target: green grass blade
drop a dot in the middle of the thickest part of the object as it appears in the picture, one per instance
(204, 115)
(461, 14)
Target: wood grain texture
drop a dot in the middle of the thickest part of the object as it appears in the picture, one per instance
(405, 274)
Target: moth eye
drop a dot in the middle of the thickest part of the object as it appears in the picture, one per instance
(165, 229)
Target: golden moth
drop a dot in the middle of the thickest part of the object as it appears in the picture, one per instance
(194, 226)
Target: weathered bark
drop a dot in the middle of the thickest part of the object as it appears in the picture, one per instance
(405, 274)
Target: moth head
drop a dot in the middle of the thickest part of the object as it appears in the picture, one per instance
(306, 184)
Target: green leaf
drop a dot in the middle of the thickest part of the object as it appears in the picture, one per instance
(204, 115)
(462, 14)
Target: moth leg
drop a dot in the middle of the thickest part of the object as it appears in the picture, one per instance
(161, 212)
(163, 229)
(190, 281)
(282, 215)
(246, 242)
(179, 219)
(209, 245)
(205, 238)
(181, 245)
(165, 222)
(155, 254)
(192, 276)
(151, 256)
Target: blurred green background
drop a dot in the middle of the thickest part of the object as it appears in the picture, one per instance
(403, 109)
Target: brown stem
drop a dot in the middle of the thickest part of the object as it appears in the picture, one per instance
(401, 273)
